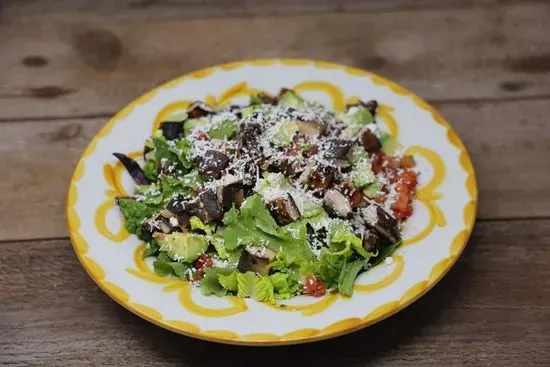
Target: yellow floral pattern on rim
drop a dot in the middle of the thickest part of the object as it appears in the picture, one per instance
(300, 335)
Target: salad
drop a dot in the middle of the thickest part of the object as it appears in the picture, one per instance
(275, 199)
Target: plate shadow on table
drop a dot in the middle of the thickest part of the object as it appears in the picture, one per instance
(362, 347)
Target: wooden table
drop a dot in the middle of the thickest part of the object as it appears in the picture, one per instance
(66, 66)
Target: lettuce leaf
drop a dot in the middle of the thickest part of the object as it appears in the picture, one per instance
(347, 277)
(285, 285)
(197, 224)
(229, 282)
(254, 225)
(165, 268)
(210, 284)
(245, 284)
(134, 213)
(341, 239)
(226, 130)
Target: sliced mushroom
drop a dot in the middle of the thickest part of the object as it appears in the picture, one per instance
(249, 134)
(370, 240)
(337, 148)
(148, 153)
(206, 207)
(176, 205)
(371, 105)
(284, 209)
(172, 130)
(370, 142)
(133, 169)
(312, 129)
(267, 99)
(320, 177)
(337, 204)
(386, 227)
(232, 193)
(199, 109)
(211, 164)
(256, 259)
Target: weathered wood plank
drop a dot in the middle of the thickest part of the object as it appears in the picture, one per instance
(510, 158)
(195, 9)
(491, 309)
(79, 66)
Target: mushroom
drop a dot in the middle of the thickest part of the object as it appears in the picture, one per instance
(370, 240)
(172, 130)
(320, 177)
(211, 164)
(249, 134)
(337, 204)
(284, 209)
(231, 193)
(133, 169)
(148, 153)
(205, 206)
(370, 142)
(266, 99)
(386, 227)
(256, 259)
(199, 109)
(312, 129)
(337, 148)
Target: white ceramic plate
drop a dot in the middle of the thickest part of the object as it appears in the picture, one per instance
(435, 235)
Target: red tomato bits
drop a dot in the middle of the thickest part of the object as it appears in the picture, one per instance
(313, 286)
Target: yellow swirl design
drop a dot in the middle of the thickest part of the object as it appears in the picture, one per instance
(427, 193)
(309, 309)
(113, 177)
(184, 288)
(389, 279)
(299, 335)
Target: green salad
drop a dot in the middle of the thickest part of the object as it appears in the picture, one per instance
(275, 199)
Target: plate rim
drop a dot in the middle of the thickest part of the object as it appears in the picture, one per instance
(341, 327)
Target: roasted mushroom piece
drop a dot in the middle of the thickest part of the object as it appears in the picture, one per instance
(370, 142)
(320, 177)
(231, 193)
(312, 129)
(336, 148)
(267, 99)
(133, 169)
(205, 206)
(148, 153)
(337, 204)
(284, 209)
(256, 259)
(370, 240)
(386, 227)
(211, 164)
(199, 109)
(172, 130)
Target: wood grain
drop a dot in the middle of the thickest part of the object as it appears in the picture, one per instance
(487, 311)
(82, 66)
(195, 9)
(508, 141)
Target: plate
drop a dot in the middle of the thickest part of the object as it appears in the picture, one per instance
(435, 235)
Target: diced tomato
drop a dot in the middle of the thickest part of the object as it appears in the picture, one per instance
(377, 162)
(356, 199)
(402, 207)
(201, 135)
(314, 287)
(407, 162)
(204, 261)
(410, 179)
